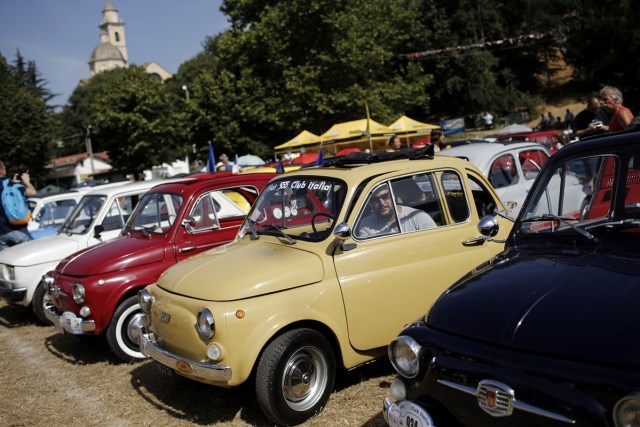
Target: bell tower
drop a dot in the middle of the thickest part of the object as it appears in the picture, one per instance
(114, 27)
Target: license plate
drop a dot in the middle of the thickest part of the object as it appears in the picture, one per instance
(164, 369)
(408, 414)
(71, 323)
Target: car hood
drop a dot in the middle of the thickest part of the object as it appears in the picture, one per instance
(243, 269)
(33, 252)
(119, 254)
(569, 304)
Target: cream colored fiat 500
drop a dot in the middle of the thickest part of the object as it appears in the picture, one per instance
(330, 264)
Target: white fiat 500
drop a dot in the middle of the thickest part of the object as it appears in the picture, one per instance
(98, 217)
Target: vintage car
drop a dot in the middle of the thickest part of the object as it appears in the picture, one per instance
(318, 276)
(94, 291)
(552, 140)
(512, 167)
(98, 217)
(546, 332)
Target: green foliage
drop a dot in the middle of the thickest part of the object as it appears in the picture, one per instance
(132, 116)
(24, 126)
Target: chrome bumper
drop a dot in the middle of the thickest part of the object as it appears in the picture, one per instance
(183, 366)
(68, 322)
(10, 294)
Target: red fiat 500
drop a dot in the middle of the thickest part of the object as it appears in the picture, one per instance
(95, 291)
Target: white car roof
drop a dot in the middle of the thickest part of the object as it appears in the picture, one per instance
(127, 186)
(480, 154)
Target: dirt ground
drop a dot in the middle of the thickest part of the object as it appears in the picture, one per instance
(59, 380)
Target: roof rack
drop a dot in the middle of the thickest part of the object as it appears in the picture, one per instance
(361, 159)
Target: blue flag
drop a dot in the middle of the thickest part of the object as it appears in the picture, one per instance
(320, 160)
(211, 163)
(280, 168)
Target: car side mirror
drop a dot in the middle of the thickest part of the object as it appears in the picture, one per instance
(488, 226)
(97, 230)
(342, 232)
(191, 222)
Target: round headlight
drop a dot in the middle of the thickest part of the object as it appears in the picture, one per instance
(206, 324)
(627, 411)
(78, 293)
(404, 353)
(145, 299)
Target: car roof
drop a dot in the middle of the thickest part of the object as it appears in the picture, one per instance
(126, 187)
(357, 167)
(479, 153)
(220, 179)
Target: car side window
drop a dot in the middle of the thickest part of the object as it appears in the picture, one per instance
(399, 206)
(455, 196)
(503, 171)
(531, 161)
(482, 198)
(204, 214)
(119, 212)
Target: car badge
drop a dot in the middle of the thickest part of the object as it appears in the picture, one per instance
(165, 317)
(495, 398)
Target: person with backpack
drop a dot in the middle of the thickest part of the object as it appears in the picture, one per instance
(13, 219)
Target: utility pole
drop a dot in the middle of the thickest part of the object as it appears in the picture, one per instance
(90, 150)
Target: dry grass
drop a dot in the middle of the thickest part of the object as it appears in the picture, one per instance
(60, 380)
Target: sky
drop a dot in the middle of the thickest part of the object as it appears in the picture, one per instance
(59, 35)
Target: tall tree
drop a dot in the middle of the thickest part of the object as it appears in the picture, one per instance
(26, 72)
(132, 116)
(24, 126)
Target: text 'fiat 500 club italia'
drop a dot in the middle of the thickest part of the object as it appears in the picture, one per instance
(95, 291)
(546, 333)
(320, 273)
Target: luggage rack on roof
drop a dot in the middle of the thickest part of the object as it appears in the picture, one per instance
(360, 159)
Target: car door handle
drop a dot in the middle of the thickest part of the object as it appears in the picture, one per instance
(187, 249)
(475, 241)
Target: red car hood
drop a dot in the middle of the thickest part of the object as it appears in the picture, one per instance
(119, 254)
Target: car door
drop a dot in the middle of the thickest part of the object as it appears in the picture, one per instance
(212, 220)
(113, 216)
(389, 280)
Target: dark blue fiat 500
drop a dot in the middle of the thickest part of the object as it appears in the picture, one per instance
(547, 333)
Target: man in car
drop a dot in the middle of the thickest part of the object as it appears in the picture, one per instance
(384, 220)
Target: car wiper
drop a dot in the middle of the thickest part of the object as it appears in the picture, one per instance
(621, 223)
(290, 239)
(565, 221)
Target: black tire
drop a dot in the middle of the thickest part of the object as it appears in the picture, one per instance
(40, 300)
(295, 376)
(121, 334)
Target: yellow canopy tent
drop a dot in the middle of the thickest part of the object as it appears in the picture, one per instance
(356, 131)
(408, 128)
(302, 139)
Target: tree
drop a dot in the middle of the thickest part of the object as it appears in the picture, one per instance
(132, 116)
(26, 72)
(24, 126)
(287, 66)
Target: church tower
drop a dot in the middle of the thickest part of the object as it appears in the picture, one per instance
(111, 52)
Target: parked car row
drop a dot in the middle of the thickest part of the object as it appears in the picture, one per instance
(285, 279)
(543, 333)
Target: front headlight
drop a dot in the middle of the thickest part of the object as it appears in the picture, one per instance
(11, 272)
(627, 411)
(404, 353)
(145, 299)
(206, 324)
(78, 293)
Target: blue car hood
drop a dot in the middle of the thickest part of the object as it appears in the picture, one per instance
(573, 303)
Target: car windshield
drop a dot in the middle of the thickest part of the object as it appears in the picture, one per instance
(580, 197)
(298, 207)
(83, 215)
(155, 213)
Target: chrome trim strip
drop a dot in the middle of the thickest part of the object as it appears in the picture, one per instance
(198, 369)
(516, 403)
(52, 315)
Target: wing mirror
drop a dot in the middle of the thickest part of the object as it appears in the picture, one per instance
(488, 226)
(342, 232)
(97, 230)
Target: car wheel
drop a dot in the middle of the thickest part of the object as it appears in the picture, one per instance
(122, 334)
(41, 300)
(295, 376)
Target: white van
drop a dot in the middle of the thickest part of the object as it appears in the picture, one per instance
(98, 217)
